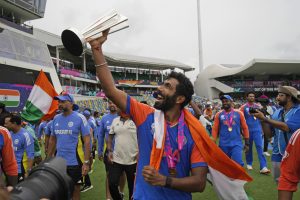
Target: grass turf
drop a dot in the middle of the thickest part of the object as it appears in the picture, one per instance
(262, 186)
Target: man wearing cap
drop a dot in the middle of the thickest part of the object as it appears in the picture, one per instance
(285, 122)
(227, 125)
(66, 129)
(255, 134)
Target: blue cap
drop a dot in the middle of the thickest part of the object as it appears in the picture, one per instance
(65, 97)
(226, 96)
(86, 113)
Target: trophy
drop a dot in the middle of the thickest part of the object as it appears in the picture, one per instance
(75, 41)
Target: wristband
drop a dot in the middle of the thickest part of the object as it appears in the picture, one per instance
(168, 182)
(102, 64)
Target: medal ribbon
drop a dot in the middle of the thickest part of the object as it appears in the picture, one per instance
(172, 158)
(229, 118)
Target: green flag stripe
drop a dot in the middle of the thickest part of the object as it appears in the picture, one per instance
(31, 113)
(11, 103)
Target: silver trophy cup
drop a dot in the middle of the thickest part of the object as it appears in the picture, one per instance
(75, 41)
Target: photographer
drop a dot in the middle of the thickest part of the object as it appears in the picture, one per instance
(285, 121)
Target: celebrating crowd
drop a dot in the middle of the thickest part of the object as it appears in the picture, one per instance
(165, 151)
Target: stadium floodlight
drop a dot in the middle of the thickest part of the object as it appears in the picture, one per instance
(75, 41)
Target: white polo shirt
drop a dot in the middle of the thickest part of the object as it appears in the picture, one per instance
(126, 147)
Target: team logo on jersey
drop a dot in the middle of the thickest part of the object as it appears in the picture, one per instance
(16, 141)
(107, 122)
(222, 117)
(152, 128)
(70, 124)
(56, 124)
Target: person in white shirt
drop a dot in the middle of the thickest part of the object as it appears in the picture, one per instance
(123, 155)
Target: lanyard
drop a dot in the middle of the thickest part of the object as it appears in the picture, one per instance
(172, 158)
(229, 119)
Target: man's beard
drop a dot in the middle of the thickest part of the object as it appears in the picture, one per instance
(282, 103)
(226, 106)
(166, 104)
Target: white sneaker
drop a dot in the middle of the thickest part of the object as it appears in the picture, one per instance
(86, 188)
(267, 154)
(265, 170)
(249, 167)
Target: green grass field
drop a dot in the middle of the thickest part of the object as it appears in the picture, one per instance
(261, 188)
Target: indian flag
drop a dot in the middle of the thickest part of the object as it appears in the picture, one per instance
(11, 98)
(40, 103)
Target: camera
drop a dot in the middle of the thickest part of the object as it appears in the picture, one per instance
(48, 180)
(253, 110)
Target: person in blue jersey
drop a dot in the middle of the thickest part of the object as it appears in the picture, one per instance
(103, 134)
(285, 122)
(227, 126)
(41, 129)
(96, 133)
(22, 142)
(93, 124)
(47, 132)
(87, 185)
(37, 149)
(182, 169)
(66, 130)
(255, 134)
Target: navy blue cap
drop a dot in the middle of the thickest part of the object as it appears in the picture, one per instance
(226, 96)
(67, 97)
(86, 113)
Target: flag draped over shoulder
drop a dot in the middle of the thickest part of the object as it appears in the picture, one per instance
(228, 177)
(40, 103)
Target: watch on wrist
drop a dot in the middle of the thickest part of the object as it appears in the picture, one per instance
(168, 182)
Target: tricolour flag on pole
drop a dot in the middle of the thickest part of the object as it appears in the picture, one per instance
(40, 103)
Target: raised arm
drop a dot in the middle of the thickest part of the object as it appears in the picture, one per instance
(103, 73)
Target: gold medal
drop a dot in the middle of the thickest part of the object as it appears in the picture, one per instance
(230, 129)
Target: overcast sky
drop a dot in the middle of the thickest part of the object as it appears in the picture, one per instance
(233, 31)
